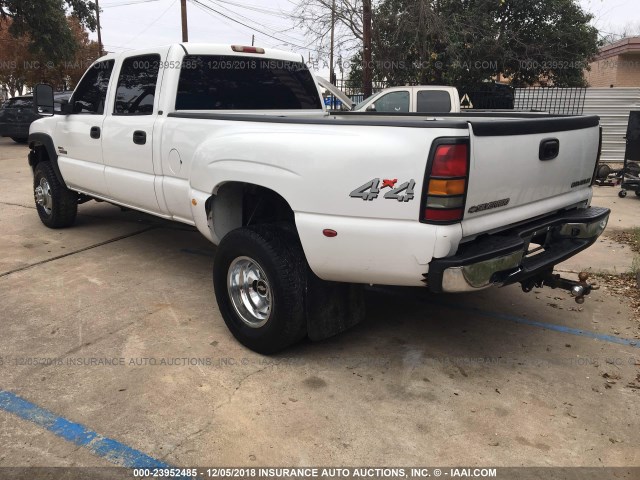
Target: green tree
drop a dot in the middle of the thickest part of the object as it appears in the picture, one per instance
(469, 42)
(44, 23)
(20, 68)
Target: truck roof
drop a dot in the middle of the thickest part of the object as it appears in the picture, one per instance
(215, 49)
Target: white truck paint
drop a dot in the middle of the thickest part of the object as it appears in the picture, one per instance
(278, 169)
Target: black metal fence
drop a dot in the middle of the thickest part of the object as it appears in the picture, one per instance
(560, 101)
(496, 96)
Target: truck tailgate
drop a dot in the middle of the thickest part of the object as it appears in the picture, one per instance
(525, 168)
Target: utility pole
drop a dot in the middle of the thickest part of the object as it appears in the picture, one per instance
(100, 49)
(367, 77)
(185, 32)
(333, 33)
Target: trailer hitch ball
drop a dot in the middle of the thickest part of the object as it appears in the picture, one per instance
(577, 291)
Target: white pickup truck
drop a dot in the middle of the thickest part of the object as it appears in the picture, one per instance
(307, 206)
(416, 99)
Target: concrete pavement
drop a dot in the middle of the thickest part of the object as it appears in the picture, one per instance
(123, 335)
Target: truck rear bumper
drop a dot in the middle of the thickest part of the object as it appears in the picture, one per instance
(508, 257)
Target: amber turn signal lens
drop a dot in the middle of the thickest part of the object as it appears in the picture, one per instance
(447, 187)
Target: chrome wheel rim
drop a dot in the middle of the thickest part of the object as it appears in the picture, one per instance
(43, 196)
(249, 291)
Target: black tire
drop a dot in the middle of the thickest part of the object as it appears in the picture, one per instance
(622, 193)
(19, 140)
(279, 255)
(63, 208)
(638, 193)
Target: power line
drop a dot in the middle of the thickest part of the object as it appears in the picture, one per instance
(282, 37)
(258, 9)
(228, 24)
(250, 27)
(152, 23)
(112, 5)
(272, 30)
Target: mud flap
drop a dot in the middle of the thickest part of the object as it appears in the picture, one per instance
(332, 307)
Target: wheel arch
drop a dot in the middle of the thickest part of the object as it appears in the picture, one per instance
(235, 204)
(40, 144)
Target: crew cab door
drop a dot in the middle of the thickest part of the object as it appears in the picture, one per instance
(79, 135)
(128, 131)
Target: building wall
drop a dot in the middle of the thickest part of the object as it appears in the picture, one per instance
(628, 70)
(617, 65)
(602, 73)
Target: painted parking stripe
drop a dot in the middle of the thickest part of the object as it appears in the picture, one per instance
(513, 318)
(107, 448)
(547, 326)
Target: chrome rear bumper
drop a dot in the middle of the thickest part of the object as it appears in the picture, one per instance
(506, 258)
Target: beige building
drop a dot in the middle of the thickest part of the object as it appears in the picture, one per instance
(617, 65)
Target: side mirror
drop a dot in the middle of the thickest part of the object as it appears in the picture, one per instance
(43, 99)
(371, 108)
(65, 107)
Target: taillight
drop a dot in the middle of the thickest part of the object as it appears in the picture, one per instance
(445, 186)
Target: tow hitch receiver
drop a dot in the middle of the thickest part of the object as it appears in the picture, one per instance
(578, 289)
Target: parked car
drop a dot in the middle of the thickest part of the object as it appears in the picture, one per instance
(17, 114)
(305, 205)
(417, 99)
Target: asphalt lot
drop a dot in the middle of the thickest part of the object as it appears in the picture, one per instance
(499, 378)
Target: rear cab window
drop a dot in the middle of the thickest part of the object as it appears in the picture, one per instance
(433, 101)
(225, 82)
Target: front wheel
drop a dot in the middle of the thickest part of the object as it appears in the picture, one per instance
(57, 205)
(259, 276)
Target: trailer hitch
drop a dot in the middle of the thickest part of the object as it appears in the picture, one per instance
(578, 289)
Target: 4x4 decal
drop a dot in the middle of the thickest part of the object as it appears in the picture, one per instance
(371, 190)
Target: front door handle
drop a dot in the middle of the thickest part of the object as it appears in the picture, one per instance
(139, 137)
(95, 132)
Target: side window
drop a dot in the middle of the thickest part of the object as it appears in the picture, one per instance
(91, 93)
(434, 101)
(393, 102)
(137, 82)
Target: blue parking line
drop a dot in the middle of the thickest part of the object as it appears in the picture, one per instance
(549, 326)
(107, 448)
(513, 318)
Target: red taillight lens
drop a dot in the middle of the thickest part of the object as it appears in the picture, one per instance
(445, 186)
(442, 215)
(450, 161)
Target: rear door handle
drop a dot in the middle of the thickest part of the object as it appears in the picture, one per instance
(95, 132)
(139, 137)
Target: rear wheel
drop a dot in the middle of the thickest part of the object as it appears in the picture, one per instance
(57, 205)
(259, 277)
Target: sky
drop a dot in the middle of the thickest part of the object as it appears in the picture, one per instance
(130, 24)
